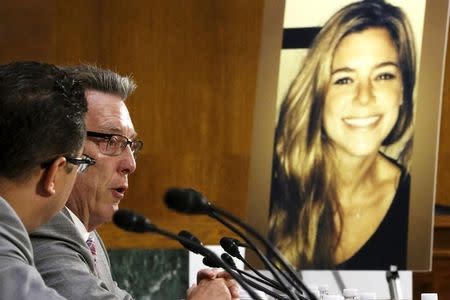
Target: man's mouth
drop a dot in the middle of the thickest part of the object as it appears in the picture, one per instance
(119, 192)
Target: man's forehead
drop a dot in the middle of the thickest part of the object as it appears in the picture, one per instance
(108, 113)
(99, 100)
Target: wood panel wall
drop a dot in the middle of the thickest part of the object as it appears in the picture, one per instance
(195, 63)
(437, 280)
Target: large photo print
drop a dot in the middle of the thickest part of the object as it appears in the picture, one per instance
(344, 139)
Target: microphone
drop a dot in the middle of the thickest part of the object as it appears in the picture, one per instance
(130, 221)
(207, 261)
(227, 245)
(230, 246)
(187, 235)
(189, 201)
(134, 222)
(213, 263)
(229, 260)
(237, 242)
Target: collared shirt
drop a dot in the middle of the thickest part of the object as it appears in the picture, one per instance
(79, 225)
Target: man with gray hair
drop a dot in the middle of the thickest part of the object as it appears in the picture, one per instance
(69, 253)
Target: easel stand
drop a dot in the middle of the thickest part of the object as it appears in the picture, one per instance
(393, 279)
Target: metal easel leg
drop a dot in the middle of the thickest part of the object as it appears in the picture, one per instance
(393, 279)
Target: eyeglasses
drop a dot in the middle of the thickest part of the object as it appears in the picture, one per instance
(115, 144)
(82, 162)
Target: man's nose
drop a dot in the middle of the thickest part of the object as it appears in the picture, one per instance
(128, 162)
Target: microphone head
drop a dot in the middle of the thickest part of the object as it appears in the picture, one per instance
(186, 201)
(190, 242)
(211, 262)
(228, 260)
(239, 243)
(230, 246)
(131, 221)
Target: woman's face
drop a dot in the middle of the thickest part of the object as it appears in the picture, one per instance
(364, 93)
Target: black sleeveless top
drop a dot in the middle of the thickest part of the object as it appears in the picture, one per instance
(388, 245)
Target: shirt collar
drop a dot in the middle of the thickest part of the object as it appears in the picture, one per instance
(79, 225)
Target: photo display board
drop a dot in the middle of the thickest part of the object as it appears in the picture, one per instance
(345, 137)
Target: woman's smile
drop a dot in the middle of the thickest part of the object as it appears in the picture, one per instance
(362, 122)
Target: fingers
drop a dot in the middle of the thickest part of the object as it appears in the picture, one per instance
(232, 287)
(230, 283)
(210, 274)
(189, 290)
(210, 289)
(224, 274)
(207, 274)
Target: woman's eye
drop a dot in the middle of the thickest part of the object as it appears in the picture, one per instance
(385, 76)
(342, 81)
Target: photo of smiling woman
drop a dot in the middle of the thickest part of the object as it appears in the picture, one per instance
(340, 181)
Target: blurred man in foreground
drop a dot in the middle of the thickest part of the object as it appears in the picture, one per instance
(41, 138)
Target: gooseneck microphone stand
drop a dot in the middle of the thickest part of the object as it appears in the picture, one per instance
(131, 221)
(192, 202)
(275, 272)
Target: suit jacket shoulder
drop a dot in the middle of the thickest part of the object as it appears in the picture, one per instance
(66, 264)
(19, 278)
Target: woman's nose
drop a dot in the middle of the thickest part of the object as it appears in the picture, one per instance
(365, 93)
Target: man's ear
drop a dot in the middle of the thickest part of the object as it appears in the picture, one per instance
(51, 174)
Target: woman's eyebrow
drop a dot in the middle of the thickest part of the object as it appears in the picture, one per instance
(382, 64)
(387, 63)
(343, 69)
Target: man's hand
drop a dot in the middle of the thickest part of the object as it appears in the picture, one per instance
(213, 284)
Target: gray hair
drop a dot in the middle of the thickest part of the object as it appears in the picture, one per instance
(92, 77)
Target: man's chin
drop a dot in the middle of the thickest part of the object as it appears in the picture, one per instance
(115, 207)
(109, 213)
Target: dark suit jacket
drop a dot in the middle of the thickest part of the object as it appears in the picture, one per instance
(19, 278)
(66, 264)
